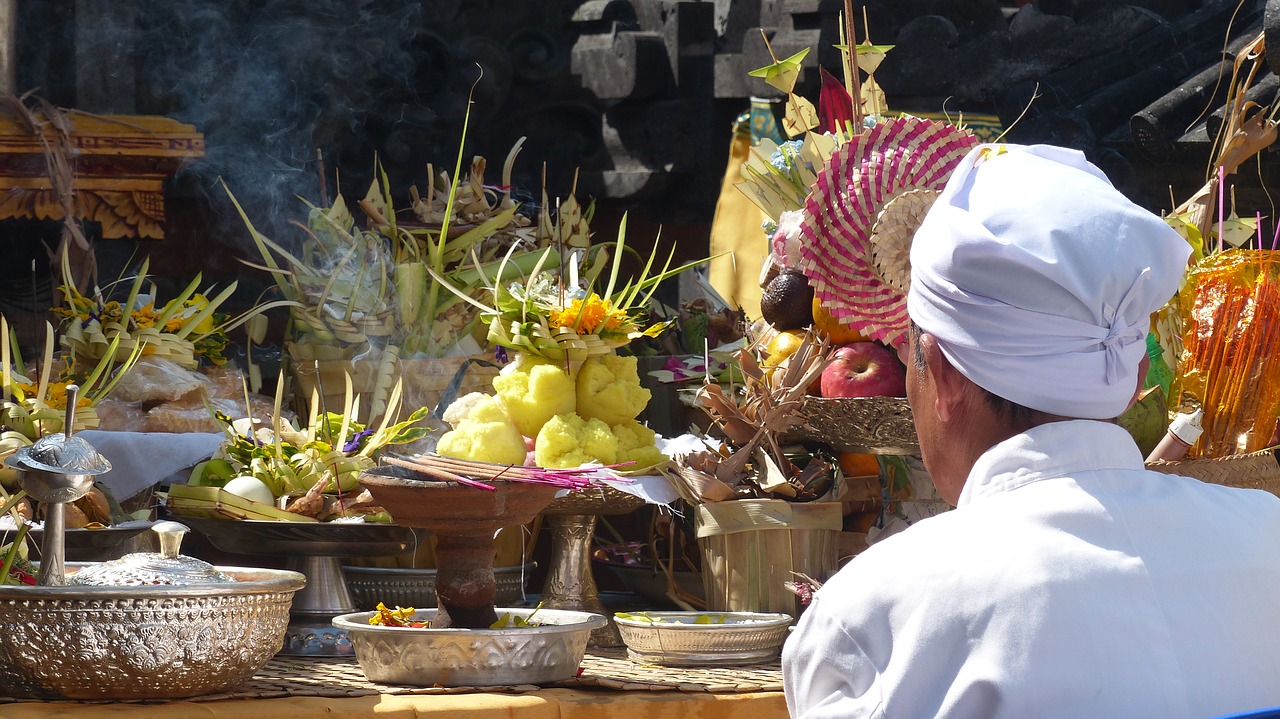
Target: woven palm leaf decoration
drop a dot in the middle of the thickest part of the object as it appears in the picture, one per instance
(862, 212)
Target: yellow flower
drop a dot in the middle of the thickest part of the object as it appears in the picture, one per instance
(593, 312)
(112, 312)
(198, 302)
(192, 307)
(25, 389)
(55, 394)
(615, 322)
(146, 315)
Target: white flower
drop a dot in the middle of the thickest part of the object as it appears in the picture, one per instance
(786, 240)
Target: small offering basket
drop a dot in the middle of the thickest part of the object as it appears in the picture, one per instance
(691, 639)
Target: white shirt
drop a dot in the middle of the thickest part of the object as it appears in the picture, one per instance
(1068, 582)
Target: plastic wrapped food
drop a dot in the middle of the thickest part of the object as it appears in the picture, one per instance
(1230, 362)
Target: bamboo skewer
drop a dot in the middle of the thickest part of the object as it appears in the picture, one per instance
(854, 79)
(470, 472)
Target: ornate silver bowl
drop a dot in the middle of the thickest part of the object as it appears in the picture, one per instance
(549, 652)
(148, 642)
(674, 639)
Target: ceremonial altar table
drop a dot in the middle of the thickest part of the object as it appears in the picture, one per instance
(609, 685)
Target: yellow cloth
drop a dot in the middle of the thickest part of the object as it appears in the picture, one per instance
(735, 229)
(543, 704)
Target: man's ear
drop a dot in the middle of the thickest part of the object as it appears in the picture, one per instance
(1144, 366)
(948, 384)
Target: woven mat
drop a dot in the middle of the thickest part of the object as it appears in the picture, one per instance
(602, 668)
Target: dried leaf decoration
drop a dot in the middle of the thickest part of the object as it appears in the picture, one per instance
(782, 74)
(753, 462)
(801, 116)
(1236, 231)
(835, 106)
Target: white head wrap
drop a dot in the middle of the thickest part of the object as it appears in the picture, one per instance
(1038, 279)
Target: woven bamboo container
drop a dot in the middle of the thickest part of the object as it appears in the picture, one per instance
(1256, 470)
(751, 546)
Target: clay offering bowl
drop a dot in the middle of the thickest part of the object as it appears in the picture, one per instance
(464, 520)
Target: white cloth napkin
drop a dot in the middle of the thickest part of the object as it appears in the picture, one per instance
(144, 459)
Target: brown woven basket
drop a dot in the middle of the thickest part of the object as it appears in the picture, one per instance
(881, 425)
(1256, 470)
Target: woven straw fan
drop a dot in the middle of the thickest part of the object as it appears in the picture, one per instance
(862, 212)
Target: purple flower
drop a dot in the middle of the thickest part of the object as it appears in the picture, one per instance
(353, 445)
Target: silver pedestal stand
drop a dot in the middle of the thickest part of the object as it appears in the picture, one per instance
(570, 583)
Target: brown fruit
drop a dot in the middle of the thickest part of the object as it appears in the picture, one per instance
(787, 301)
(73, 518)
(95, 507)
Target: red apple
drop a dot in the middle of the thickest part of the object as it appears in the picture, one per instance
(864, 369)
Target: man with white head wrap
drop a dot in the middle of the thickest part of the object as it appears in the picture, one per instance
(1069, 581)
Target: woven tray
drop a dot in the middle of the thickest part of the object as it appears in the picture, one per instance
(1257, 470)
(881, 425)
(604, 668)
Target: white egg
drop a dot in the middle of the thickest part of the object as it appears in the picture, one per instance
(250, 488)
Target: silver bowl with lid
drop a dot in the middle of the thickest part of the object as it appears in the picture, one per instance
(146, 626)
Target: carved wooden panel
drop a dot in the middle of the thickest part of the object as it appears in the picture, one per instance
(121, 164)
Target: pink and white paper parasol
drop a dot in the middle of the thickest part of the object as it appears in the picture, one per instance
(862, 212)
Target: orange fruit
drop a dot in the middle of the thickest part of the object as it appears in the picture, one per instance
(858, 464)
(783, 345)
(836, 332)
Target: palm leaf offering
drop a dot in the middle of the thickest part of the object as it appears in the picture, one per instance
(568, 319)
(781, 74)
(313, 469)
(404, 282)
(33, 399)
(121, 320)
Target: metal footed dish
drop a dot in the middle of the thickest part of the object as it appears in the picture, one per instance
(548, 652)
(337, 539)
(674, 639)
(88, 545)
(417, 587)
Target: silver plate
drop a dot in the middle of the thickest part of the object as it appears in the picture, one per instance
(549, 652)
(87, 545)
(337, 539)
(417, 587)
(676, 641)
(650, 583)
